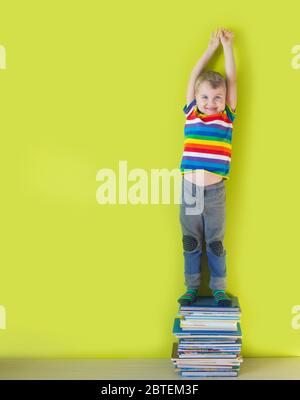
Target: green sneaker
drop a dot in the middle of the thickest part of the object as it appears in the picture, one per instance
(188, 297)
(221, 298)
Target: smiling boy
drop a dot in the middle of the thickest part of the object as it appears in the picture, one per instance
(210, 111)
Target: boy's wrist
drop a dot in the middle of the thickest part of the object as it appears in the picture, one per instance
(227, 46)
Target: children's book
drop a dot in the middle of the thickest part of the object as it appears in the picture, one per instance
(179, 332)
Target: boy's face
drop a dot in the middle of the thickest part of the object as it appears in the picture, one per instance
(209, 100)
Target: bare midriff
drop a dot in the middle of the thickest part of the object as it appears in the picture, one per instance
(209, 178)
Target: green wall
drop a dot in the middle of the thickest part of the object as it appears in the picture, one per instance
(90, 83)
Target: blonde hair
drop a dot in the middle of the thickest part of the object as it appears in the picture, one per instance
(215, 79)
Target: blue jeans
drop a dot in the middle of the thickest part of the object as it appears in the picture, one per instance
(202, 216)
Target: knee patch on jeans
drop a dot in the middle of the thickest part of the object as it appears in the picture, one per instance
(217, 247)
(189, 242)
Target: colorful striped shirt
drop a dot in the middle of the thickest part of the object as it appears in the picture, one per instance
(207, 140)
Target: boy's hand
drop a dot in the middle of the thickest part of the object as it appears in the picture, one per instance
(214, 40)
(226, 37)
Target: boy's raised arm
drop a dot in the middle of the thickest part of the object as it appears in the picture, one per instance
(212, 47)
(226, 38)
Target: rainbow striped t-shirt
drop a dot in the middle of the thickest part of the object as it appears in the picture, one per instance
(207, 140)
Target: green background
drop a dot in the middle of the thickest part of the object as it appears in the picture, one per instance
(89, 83)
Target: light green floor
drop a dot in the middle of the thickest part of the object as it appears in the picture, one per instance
(251, 368)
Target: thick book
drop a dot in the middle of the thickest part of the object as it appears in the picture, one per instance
(179, 332)
(208, 325)
(195, 343)
(206, 360)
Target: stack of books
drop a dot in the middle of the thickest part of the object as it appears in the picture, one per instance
(210, 339)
